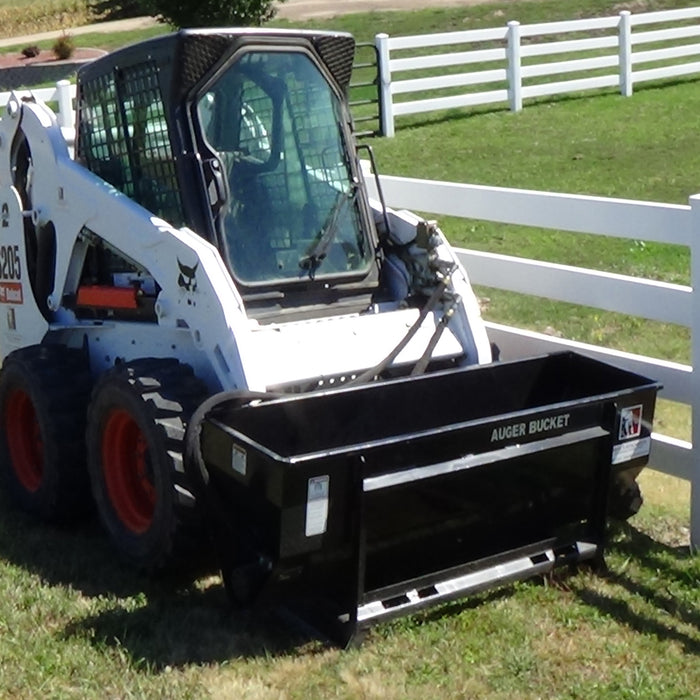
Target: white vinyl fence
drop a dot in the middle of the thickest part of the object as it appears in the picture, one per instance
(658, 301)
(511, 63)
(63, 95)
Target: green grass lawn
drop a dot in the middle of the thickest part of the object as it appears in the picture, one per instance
(605, 145)
(75, 623)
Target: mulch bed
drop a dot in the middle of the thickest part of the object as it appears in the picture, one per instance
(15, 59)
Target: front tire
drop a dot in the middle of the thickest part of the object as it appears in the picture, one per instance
(135, 439)
(624, 499)
(44, 391)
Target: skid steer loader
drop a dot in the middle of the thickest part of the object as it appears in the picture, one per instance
(209, 330)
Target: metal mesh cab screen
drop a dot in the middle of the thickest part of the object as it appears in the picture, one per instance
(123, 137)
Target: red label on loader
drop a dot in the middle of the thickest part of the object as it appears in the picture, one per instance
(11, 293)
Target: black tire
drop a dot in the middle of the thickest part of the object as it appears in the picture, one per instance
(243, 569)
(243, 583)
(44, 391)
(624, 499)
(135, 438)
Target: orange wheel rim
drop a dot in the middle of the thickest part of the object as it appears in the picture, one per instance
(127, 471)
(24, 440)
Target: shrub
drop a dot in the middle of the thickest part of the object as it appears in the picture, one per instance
(213, 13)
(63, 47)
(31, 51)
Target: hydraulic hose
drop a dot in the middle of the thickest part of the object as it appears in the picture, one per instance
(373, 372)
(424, 360)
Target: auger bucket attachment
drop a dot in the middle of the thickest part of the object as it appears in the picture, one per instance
(357, 505)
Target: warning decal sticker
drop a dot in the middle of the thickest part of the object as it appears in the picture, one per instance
(627, 451)
(317, 505)
(630, 422)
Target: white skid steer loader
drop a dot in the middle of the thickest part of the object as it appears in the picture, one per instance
(210, 329)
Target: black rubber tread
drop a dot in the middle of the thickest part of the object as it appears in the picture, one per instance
(57, 381)
(624, 499)
(160, 394)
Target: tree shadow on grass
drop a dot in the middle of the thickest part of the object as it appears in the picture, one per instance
(179, 628)
(179, 620)
(173, 619)
(666, 578)
(78, 555)
(165, 622)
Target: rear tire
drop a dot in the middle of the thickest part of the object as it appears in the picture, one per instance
(44, 392)
(135, 439)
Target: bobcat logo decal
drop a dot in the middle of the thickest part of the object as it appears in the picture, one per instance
(187, 278)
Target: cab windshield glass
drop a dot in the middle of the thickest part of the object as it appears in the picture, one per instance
(292, 212)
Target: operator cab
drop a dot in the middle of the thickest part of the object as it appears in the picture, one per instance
(245, 137)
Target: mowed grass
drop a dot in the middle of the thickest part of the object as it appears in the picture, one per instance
(75, 623)
(642, 147)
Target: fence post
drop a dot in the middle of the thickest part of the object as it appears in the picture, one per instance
(625, 53)
(386, 106)
(65, 116)
(515, 82)
(695, 377)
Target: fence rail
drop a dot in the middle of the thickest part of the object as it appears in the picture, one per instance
(517, 62)
(63, 95)
(649, 299)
